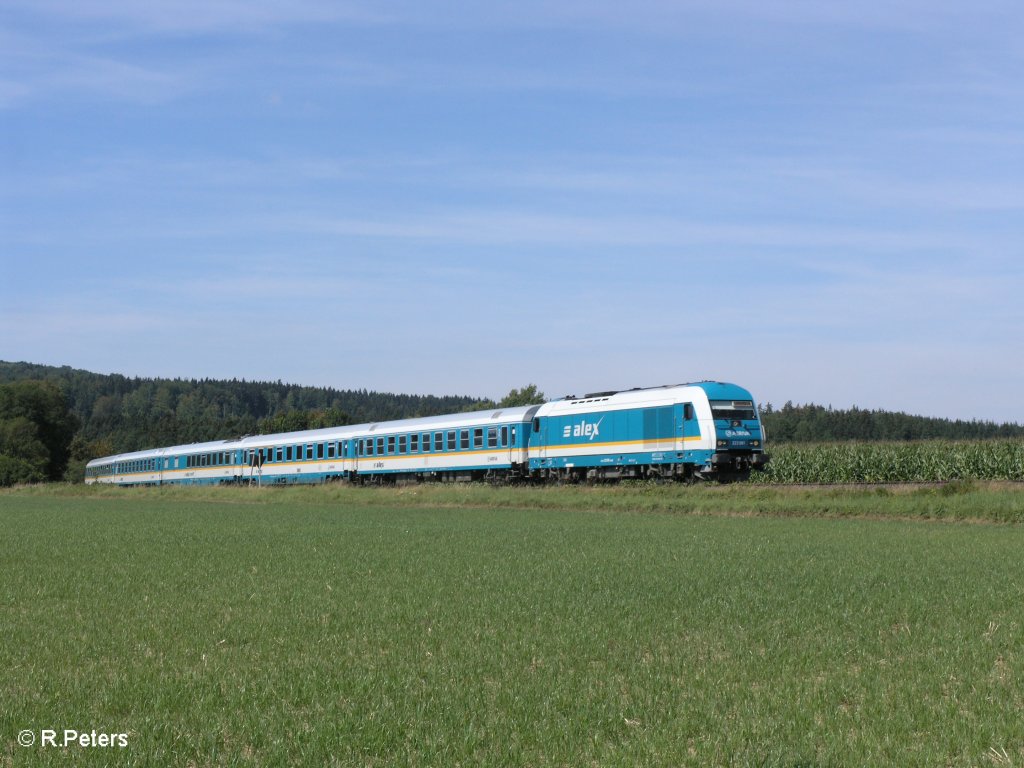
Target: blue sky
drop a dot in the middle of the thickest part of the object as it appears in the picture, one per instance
(821, 201)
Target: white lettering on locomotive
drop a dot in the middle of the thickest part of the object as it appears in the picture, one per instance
(587, 429)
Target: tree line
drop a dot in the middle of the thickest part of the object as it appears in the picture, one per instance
(816, 423)
(53, 420)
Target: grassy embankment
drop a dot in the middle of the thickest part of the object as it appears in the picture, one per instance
(478, 626)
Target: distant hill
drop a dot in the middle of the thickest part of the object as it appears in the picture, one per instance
(816, 423)
(119, 413)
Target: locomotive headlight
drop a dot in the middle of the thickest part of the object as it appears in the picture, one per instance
(755, 443)
(723, 443)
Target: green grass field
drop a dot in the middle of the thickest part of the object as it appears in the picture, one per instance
(625, 626)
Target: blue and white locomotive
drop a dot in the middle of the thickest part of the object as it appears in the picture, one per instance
(706, 430)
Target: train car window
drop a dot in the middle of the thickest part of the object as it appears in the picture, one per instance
(451, 439)
(288, 453)
(310, 451)
(426, 441)
(504, 437)
(368, 445)
(391, 445)
(536, 425)
(492, 437)
(438, 441)
(478, 438)
(464, 439)
(513, 436)
(402, 444)
(414, 443)
(688, 411)
(380, 446)
(330, 450)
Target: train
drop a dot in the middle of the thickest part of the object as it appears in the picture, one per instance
(706, 430)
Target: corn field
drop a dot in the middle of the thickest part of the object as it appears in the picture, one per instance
(913, 462)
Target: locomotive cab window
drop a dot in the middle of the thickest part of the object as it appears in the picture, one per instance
(733, 410)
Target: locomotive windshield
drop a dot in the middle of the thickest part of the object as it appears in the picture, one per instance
(733, 410)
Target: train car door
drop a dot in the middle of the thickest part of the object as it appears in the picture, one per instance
(538, 437)
(344, 459)
(688, 426)
(507, 441)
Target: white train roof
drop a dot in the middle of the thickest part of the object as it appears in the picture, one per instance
(498, 417)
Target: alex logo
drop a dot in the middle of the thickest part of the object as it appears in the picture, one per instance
(587, 429)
